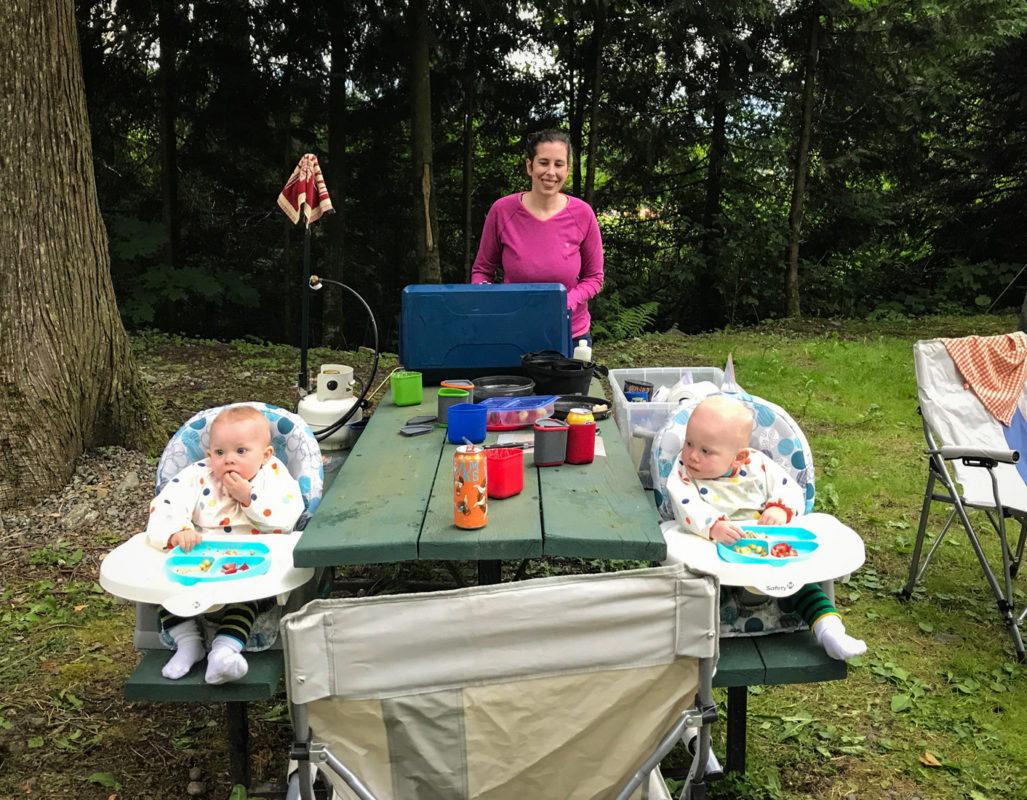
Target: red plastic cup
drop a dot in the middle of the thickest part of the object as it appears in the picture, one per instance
(581, 443)
(506, 471)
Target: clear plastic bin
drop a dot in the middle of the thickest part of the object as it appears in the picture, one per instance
(639, 422)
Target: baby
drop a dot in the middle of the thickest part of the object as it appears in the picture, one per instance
(718, 481)
(238, 488)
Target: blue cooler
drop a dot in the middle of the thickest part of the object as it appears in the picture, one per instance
(465, 331)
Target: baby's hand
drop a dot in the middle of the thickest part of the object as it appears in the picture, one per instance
(186, 539)
(237, 487)
(773, 515)
(725, 532)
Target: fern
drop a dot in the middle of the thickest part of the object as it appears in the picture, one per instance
(619, 322)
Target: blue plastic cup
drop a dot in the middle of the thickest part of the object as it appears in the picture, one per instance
(466, 421)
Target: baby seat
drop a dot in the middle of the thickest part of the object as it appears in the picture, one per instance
(974, 455)
(568, 687)
(778, 436)
(295, 446)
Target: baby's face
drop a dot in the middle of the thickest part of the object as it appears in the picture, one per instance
(242, 447)
(711, 446)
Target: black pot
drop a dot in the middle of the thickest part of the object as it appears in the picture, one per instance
(502, 386)
(554, 373)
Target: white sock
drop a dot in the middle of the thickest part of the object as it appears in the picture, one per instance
(226, 661)
(830, 633)
(188, 649)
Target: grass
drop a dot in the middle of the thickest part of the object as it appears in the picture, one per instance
(936, 707)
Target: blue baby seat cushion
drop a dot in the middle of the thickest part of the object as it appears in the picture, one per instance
(295, 447)
(778, 436)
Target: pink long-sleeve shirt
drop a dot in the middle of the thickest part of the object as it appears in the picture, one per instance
(566, 248)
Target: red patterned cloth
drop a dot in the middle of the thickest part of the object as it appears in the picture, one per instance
(994, 367)
(305, 191)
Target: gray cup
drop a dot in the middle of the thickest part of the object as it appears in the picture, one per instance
(449, 397)
(550, 442)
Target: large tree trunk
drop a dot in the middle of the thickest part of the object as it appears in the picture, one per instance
(67, 377)
(792, 308)
(426, 226)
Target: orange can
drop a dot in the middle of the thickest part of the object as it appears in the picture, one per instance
(470, 487)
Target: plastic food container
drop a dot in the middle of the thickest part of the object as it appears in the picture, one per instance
(774, 545)
(510, 413)
(217, 561)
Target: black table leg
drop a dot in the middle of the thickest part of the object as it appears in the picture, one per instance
(238, 742)
(489, 571)
(737, 708)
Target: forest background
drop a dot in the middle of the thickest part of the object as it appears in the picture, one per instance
(747, 159)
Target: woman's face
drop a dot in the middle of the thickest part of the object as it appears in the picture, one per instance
(548, 169)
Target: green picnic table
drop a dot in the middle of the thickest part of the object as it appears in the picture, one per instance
(392, 500)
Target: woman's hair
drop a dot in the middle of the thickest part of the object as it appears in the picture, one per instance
(533, 140)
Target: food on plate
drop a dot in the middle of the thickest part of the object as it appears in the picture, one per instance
(783, 550)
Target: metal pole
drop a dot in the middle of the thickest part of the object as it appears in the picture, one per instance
(301, 381)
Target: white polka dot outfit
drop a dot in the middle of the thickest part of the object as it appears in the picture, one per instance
(740, 496)
(195, 498)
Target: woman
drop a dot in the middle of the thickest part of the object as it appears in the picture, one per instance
(544, 235)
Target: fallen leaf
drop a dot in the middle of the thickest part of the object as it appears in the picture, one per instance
(928, 760)
(79, 608)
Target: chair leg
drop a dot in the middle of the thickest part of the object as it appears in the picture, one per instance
(915, 571)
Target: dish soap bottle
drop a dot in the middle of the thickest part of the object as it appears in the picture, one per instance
(583, 352)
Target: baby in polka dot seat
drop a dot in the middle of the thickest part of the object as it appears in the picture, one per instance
(239, 487)
(718, 481)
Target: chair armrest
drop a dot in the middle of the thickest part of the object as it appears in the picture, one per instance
(974, 454)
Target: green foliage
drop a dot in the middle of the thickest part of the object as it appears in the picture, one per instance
(619, 322)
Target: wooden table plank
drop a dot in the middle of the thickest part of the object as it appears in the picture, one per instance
(514, 530)
(625, 522)
(373, 512)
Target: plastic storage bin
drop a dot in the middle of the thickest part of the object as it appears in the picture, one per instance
(639, 422)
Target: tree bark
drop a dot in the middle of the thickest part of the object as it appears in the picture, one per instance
(426, 226)
(167, 27)
(709, 309)
(332, 320)
(68, 380)
(596, 100)
(792, 306)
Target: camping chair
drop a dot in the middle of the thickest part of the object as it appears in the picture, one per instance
(566, 687)
(976, 459)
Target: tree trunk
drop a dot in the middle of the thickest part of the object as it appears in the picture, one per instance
(708, 312)
(334, 267)
(68, 380)
(596, 99)
(167, 31)
(792, 308)
(426, 226)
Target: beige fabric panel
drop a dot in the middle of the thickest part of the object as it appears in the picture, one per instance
(573, 737)
(402, 644)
